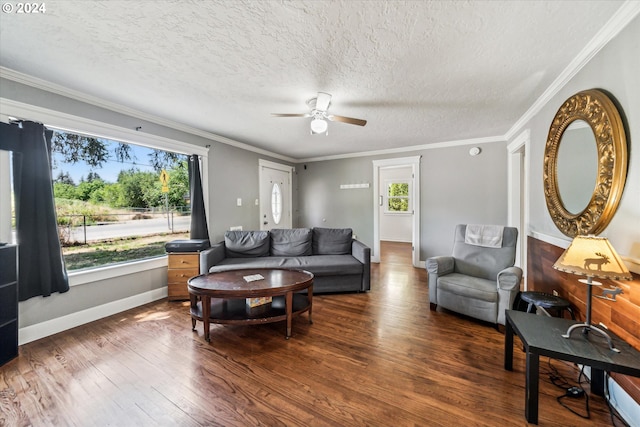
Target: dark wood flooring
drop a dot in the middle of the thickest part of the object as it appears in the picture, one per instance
(380, 358)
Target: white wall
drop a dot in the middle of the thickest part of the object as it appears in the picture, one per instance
(321, 202)
(455, 188)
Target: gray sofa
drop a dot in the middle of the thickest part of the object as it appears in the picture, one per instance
(338, 262)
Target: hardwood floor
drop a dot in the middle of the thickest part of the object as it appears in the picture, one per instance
(380, 358)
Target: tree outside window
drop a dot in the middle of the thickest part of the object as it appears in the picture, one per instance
(110, 203)
(398, 197)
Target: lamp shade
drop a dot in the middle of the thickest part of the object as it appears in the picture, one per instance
(592, 256)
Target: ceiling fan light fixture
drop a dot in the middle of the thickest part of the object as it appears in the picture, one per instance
(319, 115)
(318, 126)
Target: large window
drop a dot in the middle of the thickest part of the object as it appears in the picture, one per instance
(136, 138)
(116, 202)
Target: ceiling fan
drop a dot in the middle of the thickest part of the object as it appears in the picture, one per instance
(319, 107)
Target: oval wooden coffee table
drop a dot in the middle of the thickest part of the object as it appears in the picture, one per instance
(229, 291)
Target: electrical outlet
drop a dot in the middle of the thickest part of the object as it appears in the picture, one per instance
(555, 293)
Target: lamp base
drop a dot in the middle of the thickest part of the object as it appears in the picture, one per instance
(586, 328)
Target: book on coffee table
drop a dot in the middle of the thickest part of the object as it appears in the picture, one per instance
(256, 302)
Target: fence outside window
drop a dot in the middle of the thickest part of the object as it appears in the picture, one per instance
(84, 228)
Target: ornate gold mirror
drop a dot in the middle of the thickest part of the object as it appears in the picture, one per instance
(585, 163)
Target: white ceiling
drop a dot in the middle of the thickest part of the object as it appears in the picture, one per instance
(419, 72)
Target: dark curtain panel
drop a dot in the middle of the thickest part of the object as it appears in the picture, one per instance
(41, 266)
(199, 229)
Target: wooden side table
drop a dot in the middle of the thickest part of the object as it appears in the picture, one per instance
(543, 336)
(182, 266)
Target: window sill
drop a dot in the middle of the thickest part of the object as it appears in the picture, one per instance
(83, 277)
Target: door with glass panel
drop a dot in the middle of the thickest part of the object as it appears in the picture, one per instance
(275, 195)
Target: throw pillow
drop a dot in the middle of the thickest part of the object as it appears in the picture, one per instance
(246, 244)
(332, 241)
(291, 242)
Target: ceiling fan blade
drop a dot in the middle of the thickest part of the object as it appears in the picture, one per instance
(291, 115)
(349, 120)
(323, 101)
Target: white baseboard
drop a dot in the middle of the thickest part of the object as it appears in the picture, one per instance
(53, 326)
(628, 408)
(620, 400)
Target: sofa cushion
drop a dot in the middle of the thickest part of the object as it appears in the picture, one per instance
(332, 241)
(251, 263)
(291, 242)
(319, 265)
(246, 244)
(469, 287)
(326, 265)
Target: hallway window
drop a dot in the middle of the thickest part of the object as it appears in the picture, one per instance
(398, 200)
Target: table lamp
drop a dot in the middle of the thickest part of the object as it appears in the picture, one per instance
(592, 256)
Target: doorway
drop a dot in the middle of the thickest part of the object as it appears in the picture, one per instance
(396, 214)
(275, 195)
(518, 195)
(385, 172)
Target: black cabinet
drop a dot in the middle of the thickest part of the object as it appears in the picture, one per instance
(8, 303)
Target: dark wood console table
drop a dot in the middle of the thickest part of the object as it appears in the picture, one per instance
(542, 336)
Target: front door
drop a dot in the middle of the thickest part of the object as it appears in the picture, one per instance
(275, 195)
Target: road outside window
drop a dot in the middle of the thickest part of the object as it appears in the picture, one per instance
(117, 202)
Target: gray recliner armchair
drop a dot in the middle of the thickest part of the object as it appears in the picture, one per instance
(476, 280)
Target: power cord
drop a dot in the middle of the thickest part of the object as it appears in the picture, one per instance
(576, 392)
(555, 377)
(571, 391)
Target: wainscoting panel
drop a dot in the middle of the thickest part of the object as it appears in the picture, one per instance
(622, 317)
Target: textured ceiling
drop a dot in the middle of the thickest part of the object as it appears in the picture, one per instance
(418, 71)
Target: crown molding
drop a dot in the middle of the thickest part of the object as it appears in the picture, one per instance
(444, 144)
(47, 86)
(623, 16)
